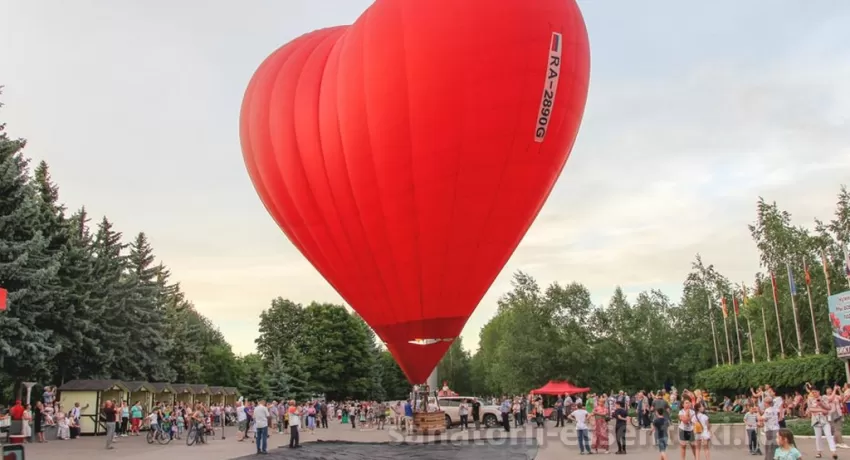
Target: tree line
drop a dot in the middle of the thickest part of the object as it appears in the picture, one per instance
(86, 303)
(558, 333)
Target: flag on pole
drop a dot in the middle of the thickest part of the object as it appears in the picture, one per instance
(744, 291)
(791, 283)
(825, 265)
(735, 304)
(806, 270)
(723, 307)
(773, 285)
(3, 295)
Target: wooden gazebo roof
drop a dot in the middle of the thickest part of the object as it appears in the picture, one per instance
(182, 388)
(139, 386)
(231, 391)
(162, 387)
(217, 391)
(93, 385)
(200, 389)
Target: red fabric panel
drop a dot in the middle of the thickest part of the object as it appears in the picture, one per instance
(417, 361)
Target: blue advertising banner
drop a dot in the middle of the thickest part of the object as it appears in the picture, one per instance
(839, 318)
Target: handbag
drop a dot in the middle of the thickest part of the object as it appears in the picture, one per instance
(698, 428)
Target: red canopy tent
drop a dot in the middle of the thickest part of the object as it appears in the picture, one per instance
(555, 387)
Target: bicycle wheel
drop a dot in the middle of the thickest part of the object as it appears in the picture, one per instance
(149, 436)
(190, 436)
(635, 421)
(163, 438)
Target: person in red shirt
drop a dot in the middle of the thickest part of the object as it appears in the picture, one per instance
(17, 411)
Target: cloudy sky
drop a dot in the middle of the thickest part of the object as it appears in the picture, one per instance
(695, 110)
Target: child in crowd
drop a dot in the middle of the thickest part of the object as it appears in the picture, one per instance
(786, 449)
(751, 420)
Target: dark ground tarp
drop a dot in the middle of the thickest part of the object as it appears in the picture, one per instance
(497, 449)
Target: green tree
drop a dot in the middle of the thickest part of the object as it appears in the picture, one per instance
(143, 285)
(282, 323)
(254, 383)
(108, 301)
(299, 378)
(338, 354)
(393, 380)
(455, 368)
(279, 379)
(28, 271)
(81, 354)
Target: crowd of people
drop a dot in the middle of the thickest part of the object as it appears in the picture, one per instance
(763, 412)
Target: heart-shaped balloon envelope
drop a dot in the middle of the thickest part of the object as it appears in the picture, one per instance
(407, 155)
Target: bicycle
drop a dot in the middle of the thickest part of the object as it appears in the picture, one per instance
(195, 435)
(157, 435)
(636, 419)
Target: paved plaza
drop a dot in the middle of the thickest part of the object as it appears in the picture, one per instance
(541, 444)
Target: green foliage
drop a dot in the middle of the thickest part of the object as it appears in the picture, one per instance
(454, 368)
(393, 381)
(791, 373)
(299, 378)
(254, 384)
(28, 270)
(335, 349)
(279, 380)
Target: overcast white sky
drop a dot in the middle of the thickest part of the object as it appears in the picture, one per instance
(695, 110)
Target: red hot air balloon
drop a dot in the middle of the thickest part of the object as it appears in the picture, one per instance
(407, 155)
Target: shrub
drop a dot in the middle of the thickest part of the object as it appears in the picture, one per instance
(784, 374)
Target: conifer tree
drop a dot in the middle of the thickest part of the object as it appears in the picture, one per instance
(27, 271)
(109, 300)
(293, 361)
(81, 355)
(146, 316)
(278, 380)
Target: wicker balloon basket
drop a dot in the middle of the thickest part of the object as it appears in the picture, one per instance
(429, 423)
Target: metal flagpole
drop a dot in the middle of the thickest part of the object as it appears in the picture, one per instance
(713, 333)
(793, 288)
(764, 323)
(776, 308)
(847, 265)
(811, 305)
(726, 329)
(737, 330)
(750, 333)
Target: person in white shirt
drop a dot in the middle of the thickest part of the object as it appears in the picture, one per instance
(687, 416)
(241, 421)
(703, 439)
(580, 417)
(294, 425)
(770, 419)
(261, 426)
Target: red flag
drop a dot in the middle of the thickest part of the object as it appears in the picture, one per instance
(735, 304)
(806, 270)
(3, 294)
(723, 307)
(773, 284)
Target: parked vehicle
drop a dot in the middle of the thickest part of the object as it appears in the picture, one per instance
(489, 414)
